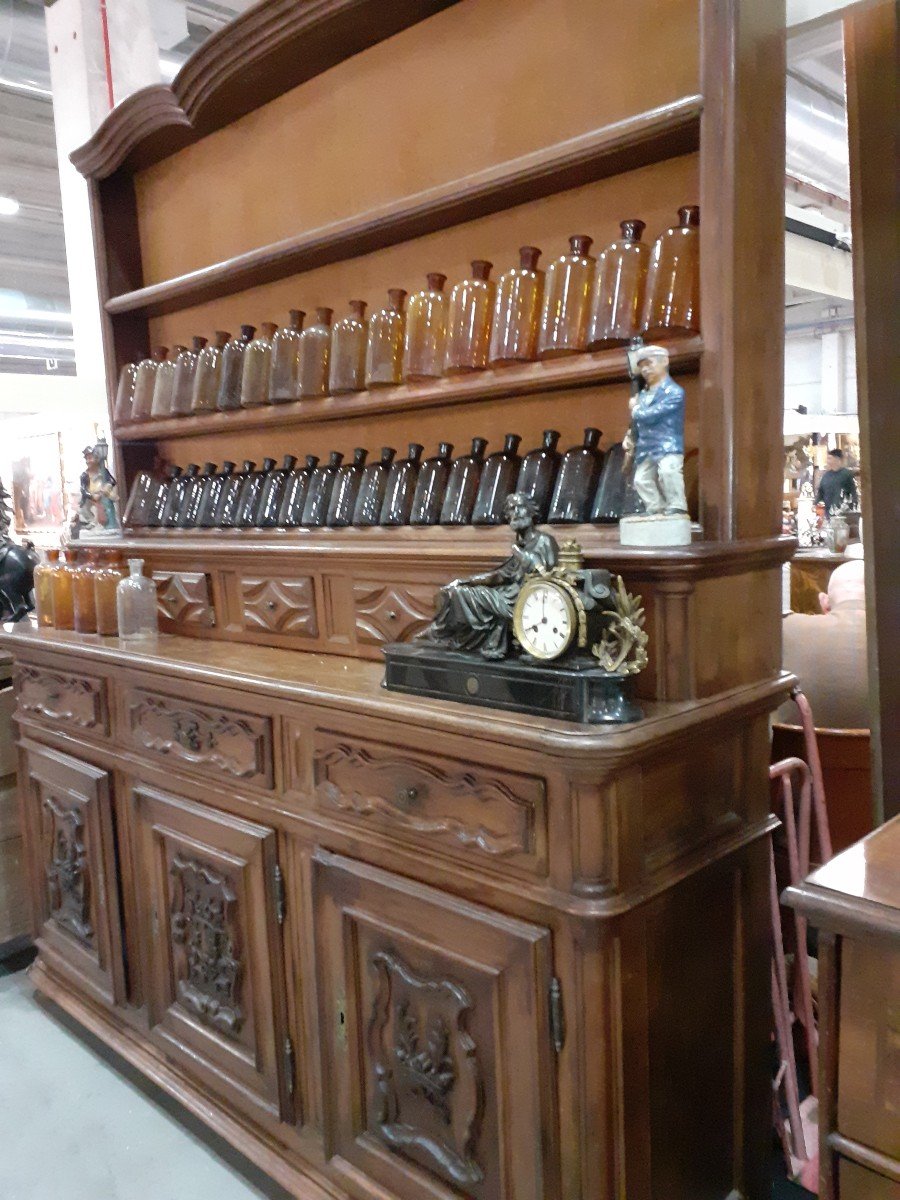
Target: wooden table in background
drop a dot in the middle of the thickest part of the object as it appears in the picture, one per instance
(810, 572)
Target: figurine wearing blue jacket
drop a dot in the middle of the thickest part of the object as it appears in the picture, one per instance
(656, 436)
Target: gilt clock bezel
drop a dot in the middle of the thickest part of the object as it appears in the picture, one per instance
(533, 585)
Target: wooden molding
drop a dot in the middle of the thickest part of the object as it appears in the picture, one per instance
(265, 52)
(652, 136)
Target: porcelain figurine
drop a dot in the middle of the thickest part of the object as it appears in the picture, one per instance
(655, 438)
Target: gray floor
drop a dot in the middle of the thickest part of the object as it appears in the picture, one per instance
(74, 1125)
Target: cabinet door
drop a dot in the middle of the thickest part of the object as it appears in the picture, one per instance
(215, 983)
(438, 1068)
(76, 904)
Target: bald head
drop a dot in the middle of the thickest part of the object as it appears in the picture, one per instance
(846, 588)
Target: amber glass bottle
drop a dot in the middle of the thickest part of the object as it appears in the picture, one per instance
(537, 474)
(43, 589)
(145, 379)
(672, 305)
(185, 371)
(125, 392)
(83, 602)
(284, 377)
(232, 369)
(430, 487)
(498, 479)
(576, 481)
(384, 350)
(617, 304)
(567, 298)
(209, 373)
(462, 485)
(164, 385)
(106, 580)
(469, 321)
(315, 354)
(257, 367)
(517, 311)
(424, 343)
(347, 372)
(63, 608)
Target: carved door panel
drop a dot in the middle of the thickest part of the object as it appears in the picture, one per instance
(437, 1060)
(391, 612)
(184, 597)
(286, 606)
(209, 916)
(68, 807)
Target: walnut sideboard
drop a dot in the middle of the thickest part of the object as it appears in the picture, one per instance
(399, 948)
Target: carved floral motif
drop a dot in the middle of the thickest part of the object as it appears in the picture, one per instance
(68, 874)
(73, 699)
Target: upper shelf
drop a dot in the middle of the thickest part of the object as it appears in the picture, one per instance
(265, 52)
(558, 374)
(651, 136)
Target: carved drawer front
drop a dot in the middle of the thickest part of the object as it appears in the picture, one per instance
(434, 1022)
(391, 612)
(209, 924)
(465, 808)
(285, 606)
(77, 701)
(184, 597)
(71, 839)
(235, 744)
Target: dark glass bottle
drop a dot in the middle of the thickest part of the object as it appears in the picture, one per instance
(462, 485)
(498, 479)
(610, 498)
(401, 487)
(576, 483)
(193, 497)
(176, 497)
(156, 506)
(143, 497)
(372, 486)
(232, 371)
(290, 515)
(346, 489)
(318, 493)
(273, 493)
(429, 494)
(212, 490)
(225, 516)
(251, 494)
(537, 474)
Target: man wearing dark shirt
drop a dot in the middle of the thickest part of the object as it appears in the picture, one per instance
(837, 484)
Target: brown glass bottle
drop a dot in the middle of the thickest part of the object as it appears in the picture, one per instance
(469, 321)
(257, 367)
(318, 492)
(517, 311)
(232, 369)
(384, 350)
(401, 487)
(192, 500)
(576, 482)
(83, 601)
(567, 298)
(226, 511)
(164, 384)
(251, 494)
(145, 379)
(208, 374)
(345, 490)
(212, 491)
(291, 512)
(63, 607)
(178, 492)
(284, 376)
(315, 355)
(672, 304)
(430, 486)
(498, 479)
(106, 580)
(125, 393)
(462, 485)
(43, 589)
(273, 493)
(156, 505)
(425, 340)
(370, 497)
(185, 373)
(537, 474)
(347, 370)
(617, 303)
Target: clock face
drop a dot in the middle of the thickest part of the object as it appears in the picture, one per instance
(544, 619)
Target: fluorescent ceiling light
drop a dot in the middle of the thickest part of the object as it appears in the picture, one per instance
(8, 206)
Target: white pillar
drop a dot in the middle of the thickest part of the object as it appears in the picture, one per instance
(833, 389)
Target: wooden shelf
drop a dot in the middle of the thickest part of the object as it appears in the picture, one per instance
(580, 371)
(652, 136)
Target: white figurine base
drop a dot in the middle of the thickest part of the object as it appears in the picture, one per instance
(658, 529)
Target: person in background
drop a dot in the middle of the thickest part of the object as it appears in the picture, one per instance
(827, 653)
(837, 484)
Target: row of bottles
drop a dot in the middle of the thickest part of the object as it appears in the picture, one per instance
(89, 591)
(581, 485)
(581, 304)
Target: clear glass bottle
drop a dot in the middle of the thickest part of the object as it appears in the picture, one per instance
(226, 511)
(125, 393)
(208, 374)
(576, 483)
(284, 376)
(429, 493)
(257, 367)
(185, 373)
(106, 579)
(136, 605)
(370, 497)
(251, 495)
(537, 474)
(462, 485)
(145, 380)
(63, 608)
(469, 320)
(232, 370)
(517, 311)
(164, 385)
(672, 304)
(194, 493)
(291, 512)
(84, 605)
(273, 494)
(425, 339)
(401, 487)
(315, 354)
(212, 491)
(178, 492)
(345, 490)
(43, 589)
(617, 303)
(156, 505)
(318, 492)
(347, 372)
(384, 350)
(567, 300)
(498, 479)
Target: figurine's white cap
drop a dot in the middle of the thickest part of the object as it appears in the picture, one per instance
(650, 352)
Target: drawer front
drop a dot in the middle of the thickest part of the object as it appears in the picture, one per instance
(858, 1183)
(76, 701)
(436, 801)
(237, 745)
(185, 598)
(283, 606)
(391, 612)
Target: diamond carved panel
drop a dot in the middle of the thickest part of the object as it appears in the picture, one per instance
(280, 606)
(391, 612)
(183, 596)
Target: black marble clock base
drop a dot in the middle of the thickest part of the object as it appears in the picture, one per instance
(576, 690)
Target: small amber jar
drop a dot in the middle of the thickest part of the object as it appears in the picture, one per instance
(164, 385)
(567, 298)
(517, 311)
(185, 372)
(384, 351)
(315, 354)
(43, 589)
(144, 382)
(83, 601)
(672, 306)
(347, 371)
(425, 341)
(257, 367)
(208, 374)
(617, 304)
(469, 321)
(106, 580)
(284, 377)
(63, 606)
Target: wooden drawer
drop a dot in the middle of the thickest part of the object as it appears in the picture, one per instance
(390, 612)
(858, 1183)
(76, 701)
(237, 745)
(282, 606)
(184, 597)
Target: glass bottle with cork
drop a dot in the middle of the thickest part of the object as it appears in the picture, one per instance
(208, 374)
(347, 369)
(63, 606)
(617, 304)
(672, 304)
(284, 377)
(567, 298)
(185, 374)
(425, 339)
(469, 319)
(384, 349)
(83, 600)
(257, 366)
(145, 379)
(517, 311)
(109, 572)
(232, 369)
(164, 385)
(43, 589)
(315, 355)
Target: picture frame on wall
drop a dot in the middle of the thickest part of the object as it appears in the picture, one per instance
(38, 483)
